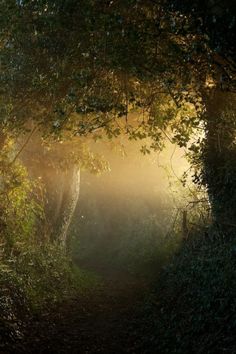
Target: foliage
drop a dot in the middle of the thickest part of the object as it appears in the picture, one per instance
(145, 245)
(45, 273)
(20, 211)
(32, 283)
(218, 156)
(13, 306)
(91, 69)
(85, 66)
(63, 152)
(33, 272)
(192, 308)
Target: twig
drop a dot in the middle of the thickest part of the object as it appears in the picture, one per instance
(24, 145)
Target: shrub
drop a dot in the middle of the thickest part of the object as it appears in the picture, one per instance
(193, 307)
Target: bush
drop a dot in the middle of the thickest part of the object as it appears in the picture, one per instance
(13, 308)
(193, 307)
(29, 283)
(45, 272)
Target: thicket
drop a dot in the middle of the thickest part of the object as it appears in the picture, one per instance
(192, 306)
(34, 272)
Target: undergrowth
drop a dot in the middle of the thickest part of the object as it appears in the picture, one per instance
(32, 283)
(35, 272)
(192, 308)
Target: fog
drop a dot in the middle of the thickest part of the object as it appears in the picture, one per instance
(125, 213)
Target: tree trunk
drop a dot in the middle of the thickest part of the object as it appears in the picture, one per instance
(62, 193)
(219, 156)
(61, 186)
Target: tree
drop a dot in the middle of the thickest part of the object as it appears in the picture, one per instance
(216, 21)
(95, 61)
(56, 165)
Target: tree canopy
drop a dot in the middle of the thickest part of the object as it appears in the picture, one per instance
(144, 68)
(98, 58)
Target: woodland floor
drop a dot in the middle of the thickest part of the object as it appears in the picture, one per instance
(104, 320)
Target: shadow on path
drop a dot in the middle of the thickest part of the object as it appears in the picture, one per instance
(104, 320)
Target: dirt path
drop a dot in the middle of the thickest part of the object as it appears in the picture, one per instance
(102, 321)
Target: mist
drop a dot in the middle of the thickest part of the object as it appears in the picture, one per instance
(118, 177)
(125, 214)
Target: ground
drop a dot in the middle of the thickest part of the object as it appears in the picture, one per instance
(102, 320)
